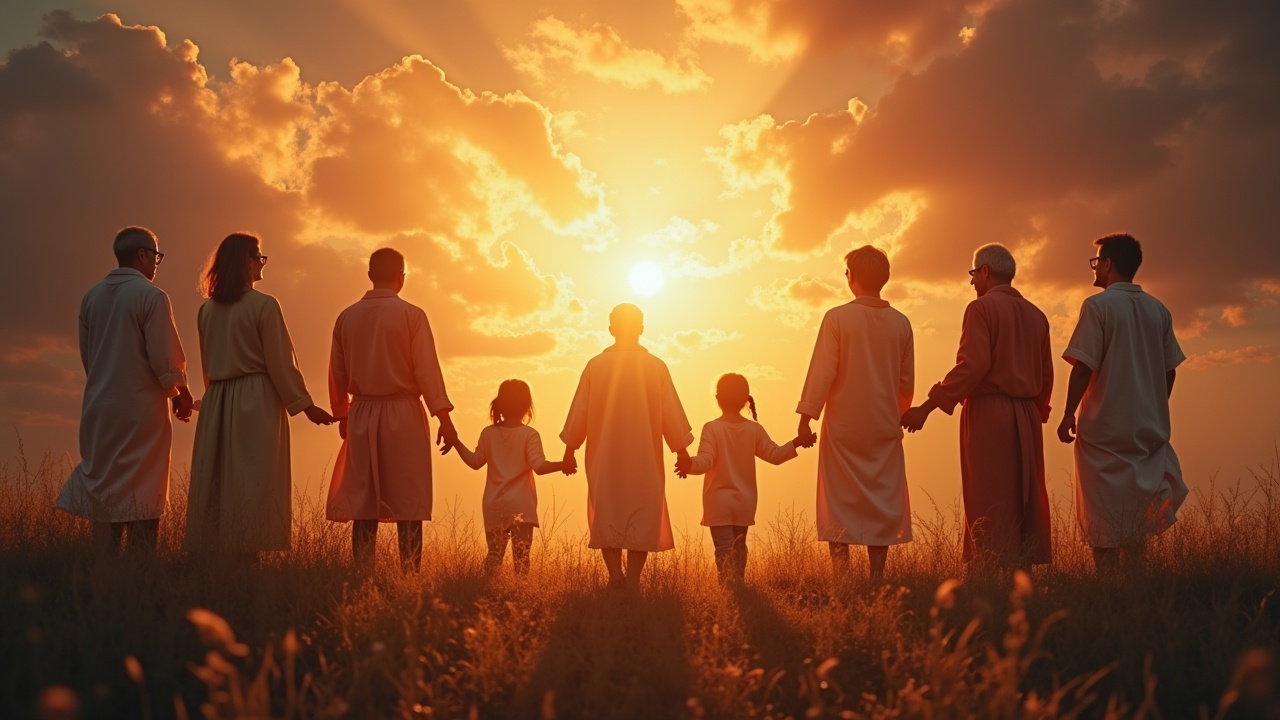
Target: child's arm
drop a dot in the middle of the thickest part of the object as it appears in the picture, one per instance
(773, 453)
(538, 460)
(474, 460)
(706, 456)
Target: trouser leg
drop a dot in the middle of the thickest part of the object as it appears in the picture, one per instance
(364, 536)
(497, 542)
(740, 551)
(143, 536)
(107, 537)
(409, 538)
(521, 542)
(877, 555)
(839, 558)
(722, 537)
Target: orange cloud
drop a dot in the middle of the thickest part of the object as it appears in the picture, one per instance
(1221, 358)
(600, 52)
(798, 301)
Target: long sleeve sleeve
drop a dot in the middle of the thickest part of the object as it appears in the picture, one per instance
(426, 367)
(575, 424)
(675, 424)
(907, 373)
(1046, 383)
(339, 380)
(973, 361)
(164, 349)
(822, 370)
(282, 363)
(706, 457)
(478, 459)
(770, 451)
(533, 453)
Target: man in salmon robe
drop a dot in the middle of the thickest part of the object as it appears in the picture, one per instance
(382, 366)
(1124, 359)
(625, 406)
(863, 372)
(1004, 377)
(136, 373)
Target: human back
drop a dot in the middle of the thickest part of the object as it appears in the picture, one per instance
(869, 378)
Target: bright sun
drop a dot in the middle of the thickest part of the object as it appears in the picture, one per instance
(646, 278)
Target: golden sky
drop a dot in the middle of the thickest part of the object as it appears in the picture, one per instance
(526, 156)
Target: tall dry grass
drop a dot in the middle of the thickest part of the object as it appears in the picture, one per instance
(303, 634)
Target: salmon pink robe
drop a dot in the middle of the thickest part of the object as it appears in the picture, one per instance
(1004, 377)
(863, 373)
(382, 366)
(625, 406)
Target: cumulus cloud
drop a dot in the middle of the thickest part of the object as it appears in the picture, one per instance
(104, 125)
(1023, 137)
(1237, 356)
(797, 301)
(600, 52)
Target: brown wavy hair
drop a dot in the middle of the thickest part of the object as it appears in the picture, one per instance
(514, 400)
(226, 276)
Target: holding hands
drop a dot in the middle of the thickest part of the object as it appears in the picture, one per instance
(318, 416)
(805, 441)
(569, 465)
(683, 463)
(183, 404)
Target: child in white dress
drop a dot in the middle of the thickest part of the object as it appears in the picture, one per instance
(727, 452)
(513, 452)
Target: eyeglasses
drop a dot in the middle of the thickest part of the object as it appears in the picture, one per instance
(263, 258)
(159, 255)
(975, 270)
(1093, 262)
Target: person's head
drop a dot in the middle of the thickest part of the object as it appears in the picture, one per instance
(733, 392)
(993, 265)
(386, 269)
(513, 402)
(867, 269)
(626, 323)
(136, 247)
(234, 267)
(1117, 260)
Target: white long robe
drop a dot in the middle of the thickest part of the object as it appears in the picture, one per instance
(624, 407)
(133, 363)
(727, 453)
(1127, 478)
(863, 373)
(513, 455)
(382, 365)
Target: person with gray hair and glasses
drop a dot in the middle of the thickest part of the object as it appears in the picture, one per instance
(1003, 376)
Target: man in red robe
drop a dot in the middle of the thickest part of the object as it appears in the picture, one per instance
(1003, 376)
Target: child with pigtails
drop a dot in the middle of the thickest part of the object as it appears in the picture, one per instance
(727, 451)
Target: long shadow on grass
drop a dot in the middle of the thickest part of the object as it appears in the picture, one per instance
(613, 654)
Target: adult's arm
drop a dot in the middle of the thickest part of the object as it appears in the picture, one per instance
(282, 363)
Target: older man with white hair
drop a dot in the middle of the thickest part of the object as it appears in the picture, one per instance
(136, 373)
(1003, 376)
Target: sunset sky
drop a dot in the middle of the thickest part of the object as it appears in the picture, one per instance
(526, 156)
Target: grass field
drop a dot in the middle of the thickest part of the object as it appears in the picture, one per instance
(302, 634)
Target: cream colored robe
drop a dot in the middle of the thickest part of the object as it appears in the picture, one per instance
(241, 487)
(624, 407)
(513, 455)
(863, 373)
(133, 362)
(727, 453)
(383, 356)
(1127, 477)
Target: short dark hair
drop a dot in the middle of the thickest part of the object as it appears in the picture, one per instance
(130, 240)
(385, 265)
(1123, 250)
(869, 266)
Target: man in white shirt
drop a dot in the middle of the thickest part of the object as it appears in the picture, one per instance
(1124, 358)
(136, 375)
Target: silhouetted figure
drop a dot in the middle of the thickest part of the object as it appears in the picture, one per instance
(625, 406)
(513, 452)
(863, 372)
(1124, 357)
(727, 452)
(382, 366)
(1004, 378)
(241, 486)
(135, 376)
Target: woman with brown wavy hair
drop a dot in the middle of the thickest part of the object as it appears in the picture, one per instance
(241, 487)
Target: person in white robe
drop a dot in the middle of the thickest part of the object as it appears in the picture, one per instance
(135, 376)
(863, 373)
(623, 409)
(1124, 359)
(241, 497)
(382, 366)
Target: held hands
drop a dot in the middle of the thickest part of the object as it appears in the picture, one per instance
(569, 466)
(684, 463)
(805, 441)
(318, 416)
(447, 435)
(1067, 432)
(914, 418)
(183, 404)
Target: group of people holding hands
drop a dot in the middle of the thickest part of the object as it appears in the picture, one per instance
(385, 379)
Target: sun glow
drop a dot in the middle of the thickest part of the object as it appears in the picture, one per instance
(646, 278)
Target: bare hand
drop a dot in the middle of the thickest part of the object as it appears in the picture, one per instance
(914, 418)
(183, 404)
(318, 416)
(1067, 429)
(803, 441)
(447, 435)
(684, 463)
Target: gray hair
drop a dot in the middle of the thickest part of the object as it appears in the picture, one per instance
(130, 240)
(997, 258)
